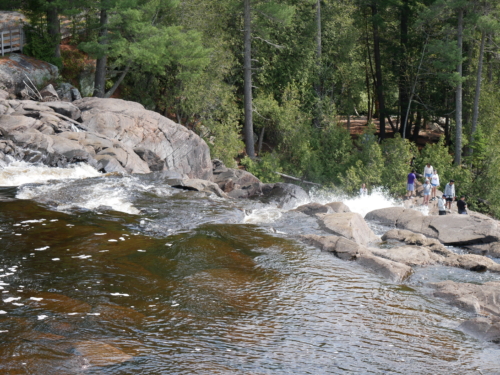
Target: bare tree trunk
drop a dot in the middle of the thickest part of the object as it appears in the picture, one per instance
(54, 27)
(119, 81)
(378, 73)
(317, 120)
(475, 108)
(418, 123)
(100, 66)
(261, 140)
(250, 147)
(403, 66)
(488, 60)
(458, 93)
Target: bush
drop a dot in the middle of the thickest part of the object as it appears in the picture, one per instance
(264, 168)
(40, 44)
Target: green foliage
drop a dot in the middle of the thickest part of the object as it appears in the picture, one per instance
(264, 168)
(398, 154)
(40, 44)
(367, 163)
(74, 62)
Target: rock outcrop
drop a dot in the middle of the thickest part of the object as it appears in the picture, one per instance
(230, 179)
(349, 225)
(349, 250)
(109, 134)
(135, 127)
(450, 229)
(283, 195)
(17, 69)
(311, 209)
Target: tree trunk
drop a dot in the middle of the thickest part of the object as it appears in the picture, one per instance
(100, 66)
(488, 60)
(378, 72)
(119, 81)
(403, 92)
(317, 86)
(54, 27)
(458, 93)
(261, 140)
(418, 123)
(250, 147)
(475, 108)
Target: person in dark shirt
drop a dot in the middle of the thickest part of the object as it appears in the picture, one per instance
(462, 206)
(410, 184)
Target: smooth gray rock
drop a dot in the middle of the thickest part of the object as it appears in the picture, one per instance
(154, 162)
(338, 207)
(64, 92)
(283, 195)
(340, 246)
(49, 94)
(197, 185)
(15, 68)
(394, 271)
(482, 328)
(349, 225)
(479, 299)
(449, 229)
(136, 127)
(230, 179)
(409, 255)
(311, 209)
(350, 250)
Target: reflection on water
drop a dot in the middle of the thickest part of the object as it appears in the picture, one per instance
(100, 293)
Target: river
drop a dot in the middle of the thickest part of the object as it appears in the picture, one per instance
(125, 275)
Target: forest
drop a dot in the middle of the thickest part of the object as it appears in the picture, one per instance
(274, 85)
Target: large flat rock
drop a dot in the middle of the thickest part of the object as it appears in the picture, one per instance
(349, 225)
(448, 229)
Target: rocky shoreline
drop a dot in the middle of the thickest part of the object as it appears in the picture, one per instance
(116, 136)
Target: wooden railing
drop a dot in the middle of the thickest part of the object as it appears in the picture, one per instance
(11, 39)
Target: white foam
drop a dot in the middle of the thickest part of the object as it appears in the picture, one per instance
(112, 240)
(42, 317)
(33, 221)
(42, 248)
(82, 256)
(262, 215)
(359, 204)
(10, 299)
(36, 298)
(99, 234)
(56, 259)
(120, 294)
(19, 172)
(3, 312)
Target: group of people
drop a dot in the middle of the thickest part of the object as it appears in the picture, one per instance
(431, 183)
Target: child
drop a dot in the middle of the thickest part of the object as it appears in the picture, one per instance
(441, 207)
(434, 183)
(462, 206)
(427, 192)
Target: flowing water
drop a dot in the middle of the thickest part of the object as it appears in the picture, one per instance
(125, 275)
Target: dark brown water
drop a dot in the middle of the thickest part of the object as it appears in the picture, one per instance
(103, 292)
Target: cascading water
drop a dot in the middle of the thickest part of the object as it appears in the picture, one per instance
(125, 275)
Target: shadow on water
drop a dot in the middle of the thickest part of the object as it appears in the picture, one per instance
(92, 292)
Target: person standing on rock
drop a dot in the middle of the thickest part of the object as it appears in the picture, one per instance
(428, 170)
(427, 192)
(363, 190)
(462, 206)
(410, 183)
(449, 191)
(441, 205)
(434, 183)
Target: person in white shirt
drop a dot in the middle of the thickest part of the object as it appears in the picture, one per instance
(428, 171)
(441, 205)
(363, 190)
(449, 191)
(434, 184)
(427, 192)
